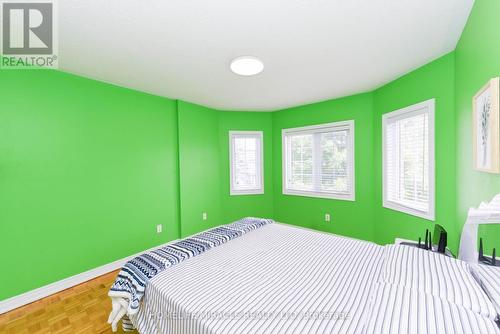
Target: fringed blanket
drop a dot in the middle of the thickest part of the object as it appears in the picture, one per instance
(129, 287)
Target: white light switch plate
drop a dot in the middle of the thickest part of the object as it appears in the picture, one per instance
(159, 228)
(327, 217)
(204, 216)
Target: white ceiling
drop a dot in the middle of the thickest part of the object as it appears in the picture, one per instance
(312, 49)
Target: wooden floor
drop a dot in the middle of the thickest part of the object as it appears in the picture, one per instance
(81, 309)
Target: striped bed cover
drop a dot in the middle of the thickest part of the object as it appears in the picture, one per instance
(276, 279)
(283, 279)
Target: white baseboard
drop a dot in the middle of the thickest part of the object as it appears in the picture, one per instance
(47, 290)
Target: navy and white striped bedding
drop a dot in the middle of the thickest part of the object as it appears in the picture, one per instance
(489, 278)
(283, 279)
(132, 280)
(277, 279)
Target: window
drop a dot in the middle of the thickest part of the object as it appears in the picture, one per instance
(408, 160)
(246, 158)
(318, 161)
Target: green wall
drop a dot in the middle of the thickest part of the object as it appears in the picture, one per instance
(235, 207)
(477, 60)
(204, 167)
(348, 218)
(366, 218)
(434, 80)
(200, 166)
(91, 169)
(87, 171)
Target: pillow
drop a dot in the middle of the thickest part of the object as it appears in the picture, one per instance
(438, 275)
(397, 309)
(489, 279)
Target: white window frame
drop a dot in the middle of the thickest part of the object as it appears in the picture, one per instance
(335, 126)
(259, 162)
(413, 110)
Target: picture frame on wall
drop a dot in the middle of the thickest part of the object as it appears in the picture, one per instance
(486, 128)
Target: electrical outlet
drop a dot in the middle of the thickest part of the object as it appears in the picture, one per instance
(327, 217)
(204, 216)
(159, 228)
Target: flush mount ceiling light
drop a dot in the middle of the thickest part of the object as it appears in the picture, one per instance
(247, 65)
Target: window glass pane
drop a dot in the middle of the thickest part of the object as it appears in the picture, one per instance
(334, 169)
(407, 161)
(301, 162)
(413, 166)
(245, 168)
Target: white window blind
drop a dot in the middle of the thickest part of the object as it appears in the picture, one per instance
(246, 162)
(318, 161)
(408, 154)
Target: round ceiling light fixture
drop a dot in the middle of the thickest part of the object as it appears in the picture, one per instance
(247, 65)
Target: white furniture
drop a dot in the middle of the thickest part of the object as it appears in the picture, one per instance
(486, 213)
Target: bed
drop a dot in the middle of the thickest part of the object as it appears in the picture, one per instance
(277, 278)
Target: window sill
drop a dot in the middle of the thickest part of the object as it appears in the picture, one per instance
(410, 211)
(246, 192)
(317, 194)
